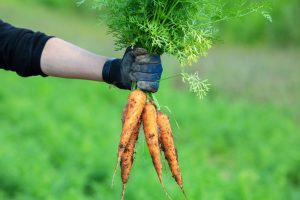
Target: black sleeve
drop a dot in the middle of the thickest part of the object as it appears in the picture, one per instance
(21, 50)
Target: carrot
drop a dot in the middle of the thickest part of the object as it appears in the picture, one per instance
(168, 146)
(127, 156)
(124, 113)
(135, 106)
(149, 119)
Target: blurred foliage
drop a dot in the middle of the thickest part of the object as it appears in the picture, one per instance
(63, 5)
(58, 143)
(71, 4)
(283, 31)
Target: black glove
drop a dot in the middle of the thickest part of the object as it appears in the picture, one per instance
(136, 66)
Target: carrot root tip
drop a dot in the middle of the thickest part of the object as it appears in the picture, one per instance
(115, 171)
(123, 191)
(184, 194)
(165, 190)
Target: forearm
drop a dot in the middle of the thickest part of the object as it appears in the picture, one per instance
(63, 59)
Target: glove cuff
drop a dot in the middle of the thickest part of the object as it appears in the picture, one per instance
(109, 70)
(105, 70)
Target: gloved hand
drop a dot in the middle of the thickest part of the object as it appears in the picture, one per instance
(136, 65)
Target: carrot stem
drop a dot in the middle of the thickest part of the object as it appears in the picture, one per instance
(154, 99)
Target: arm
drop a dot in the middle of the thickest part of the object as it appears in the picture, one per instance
(31, 53)
(20, 50)
(62, 59)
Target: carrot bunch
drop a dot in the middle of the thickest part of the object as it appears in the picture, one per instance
(158, 135)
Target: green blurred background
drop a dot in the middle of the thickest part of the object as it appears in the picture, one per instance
(59, 138)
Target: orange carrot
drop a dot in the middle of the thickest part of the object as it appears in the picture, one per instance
(127, 158)
(149, 119)
(151, 134)
(168, 146)
(135, 106)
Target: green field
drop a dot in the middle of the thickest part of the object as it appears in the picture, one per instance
(59, 138)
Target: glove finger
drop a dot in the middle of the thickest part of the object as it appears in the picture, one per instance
(148, 58)
(148, 86)
(149, 68)
(129, 55)
(128, 49)
(140, 76)
(138, 51)
(127, 61)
